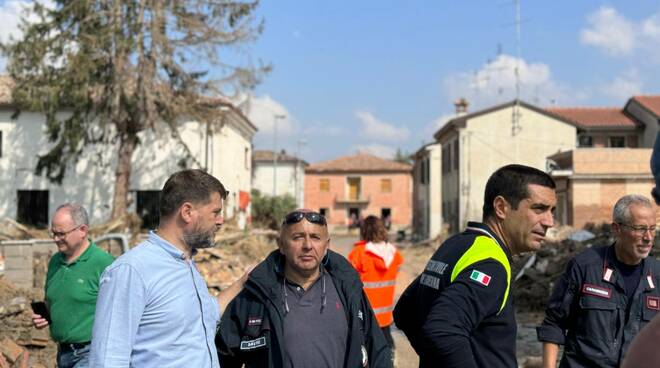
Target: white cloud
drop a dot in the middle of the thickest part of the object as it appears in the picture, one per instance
(380, 150)
(610, 31)
(624, 86)
(263, 111)
(375, 129)
(495, 83)
(619, 36)
(10, 13)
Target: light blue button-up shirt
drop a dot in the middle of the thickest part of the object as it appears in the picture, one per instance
(154, 310)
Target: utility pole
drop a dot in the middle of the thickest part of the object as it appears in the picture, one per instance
(275, 118)
(515, 119)
(223, 110)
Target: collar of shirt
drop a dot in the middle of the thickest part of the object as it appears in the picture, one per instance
(484, 228)
(82, 258)
(168, 247)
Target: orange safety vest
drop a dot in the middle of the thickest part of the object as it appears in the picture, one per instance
(379, 280)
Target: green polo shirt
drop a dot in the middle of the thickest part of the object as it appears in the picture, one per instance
(71, 291)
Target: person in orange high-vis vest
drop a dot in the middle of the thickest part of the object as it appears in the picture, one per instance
(377, 261)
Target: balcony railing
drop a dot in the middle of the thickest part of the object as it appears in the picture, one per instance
(353, 200)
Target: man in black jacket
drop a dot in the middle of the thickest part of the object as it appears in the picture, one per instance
(303, 306)
(606, 295)
(458, 312)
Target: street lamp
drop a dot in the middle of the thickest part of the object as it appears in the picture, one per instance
(275, 118)
(301, 142)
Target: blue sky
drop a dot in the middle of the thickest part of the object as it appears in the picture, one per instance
(380, 75)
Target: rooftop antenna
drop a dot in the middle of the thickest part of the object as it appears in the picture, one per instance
(515, 118)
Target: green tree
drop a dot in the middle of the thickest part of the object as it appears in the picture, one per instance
(270, 210)
(120, 67)
(402, 157)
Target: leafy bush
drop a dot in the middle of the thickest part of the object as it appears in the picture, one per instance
(269, 211)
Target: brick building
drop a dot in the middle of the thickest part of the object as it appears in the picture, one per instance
(591, 180)
(358, 186)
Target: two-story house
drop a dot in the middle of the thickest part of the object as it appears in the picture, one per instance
(223, 147)
(476, 144)
(279, 174)
(352, 187)
(611, 159)
(596, 155)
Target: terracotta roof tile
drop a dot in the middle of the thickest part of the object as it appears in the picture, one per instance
(591, 117)
(361, 162)
(652, 103)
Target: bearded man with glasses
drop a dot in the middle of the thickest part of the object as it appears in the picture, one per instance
(72, 285)
(606, 295)
(303, 306)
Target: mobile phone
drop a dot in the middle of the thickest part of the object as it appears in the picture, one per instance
(41, 309)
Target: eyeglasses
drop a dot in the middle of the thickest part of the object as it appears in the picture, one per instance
(640, 230)
(296, 216)
(61, 234)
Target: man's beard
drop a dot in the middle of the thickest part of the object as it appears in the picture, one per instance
(200, 239)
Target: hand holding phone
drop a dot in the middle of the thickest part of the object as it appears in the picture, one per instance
(40, 309)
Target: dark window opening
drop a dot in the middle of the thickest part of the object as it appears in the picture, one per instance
(455, 156)
(449, 157)
(32, 208)
(617, 142)
(585, 141)
(386, 216)
(353, 217)
(148, 207)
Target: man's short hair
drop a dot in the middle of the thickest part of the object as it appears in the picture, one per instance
(373, 230)
(77, 212)
(621, 212)
(193, 185)
(511, 182)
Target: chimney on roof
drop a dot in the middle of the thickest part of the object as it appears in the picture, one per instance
(461, 106)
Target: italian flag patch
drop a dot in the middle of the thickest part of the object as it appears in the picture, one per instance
(480, 277)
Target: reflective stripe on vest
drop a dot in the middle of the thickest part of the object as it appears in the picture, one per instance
(383, 309)
(379, 284)
(484, 247)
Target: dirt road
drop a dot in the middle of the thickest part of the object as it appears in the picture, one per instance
(405, 355)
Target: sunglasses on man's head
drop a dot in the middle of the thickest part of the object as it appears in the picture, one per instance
(296, 216)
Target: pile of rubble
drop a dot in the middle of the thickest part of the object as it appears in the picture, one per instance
(12, 230)
(21, 345)
(234, 253)
(536, 274)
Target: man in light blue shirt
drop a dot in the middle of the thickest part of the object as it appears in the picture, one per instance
(153, 308)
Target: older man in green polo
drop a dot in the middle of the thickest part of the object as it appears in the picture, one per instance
(72, 285)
